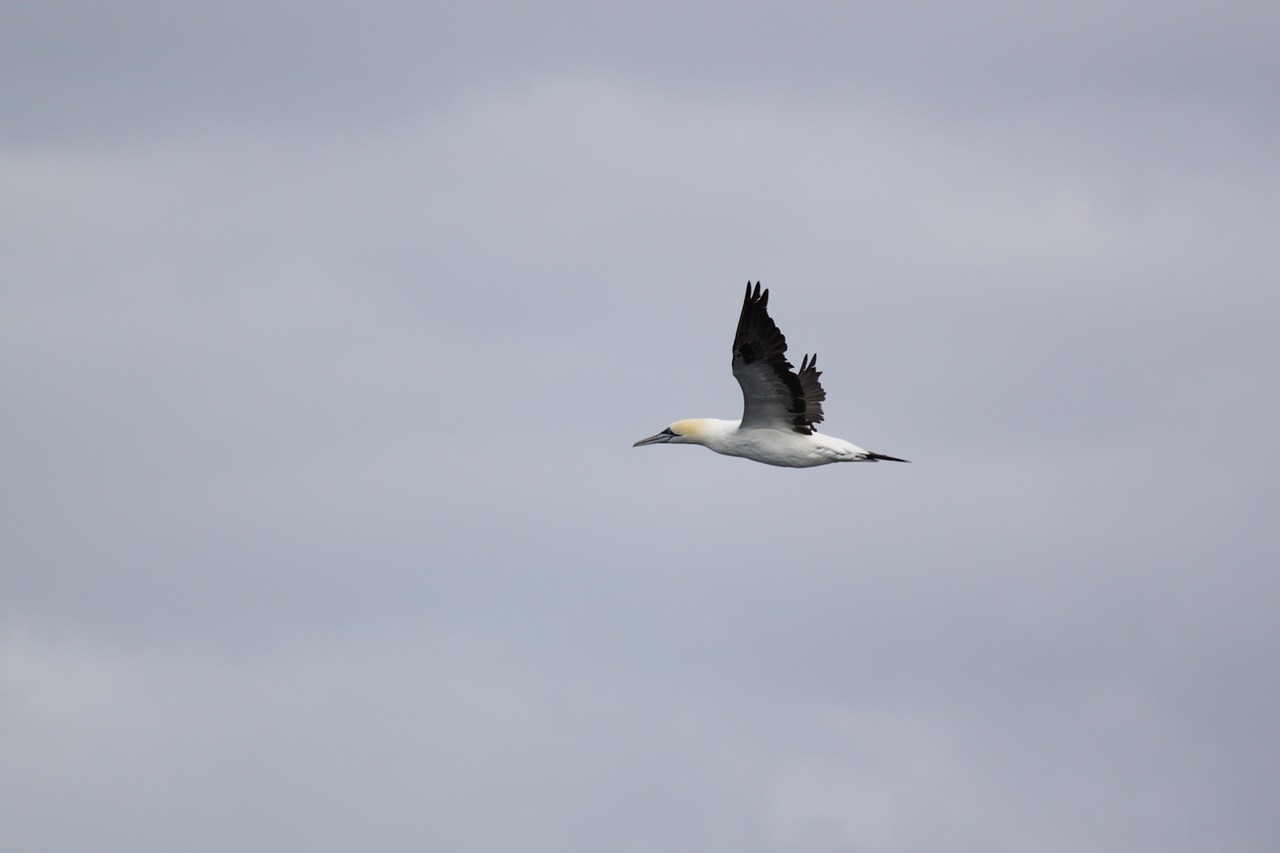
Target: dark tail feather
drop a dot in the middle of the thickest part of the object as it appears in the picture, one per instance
(880, 457)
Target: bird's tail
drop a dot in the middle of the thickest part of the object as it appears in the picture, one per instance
(880, 457)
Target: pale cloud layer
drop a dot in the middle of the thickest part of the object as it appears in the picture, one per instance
(325, 332)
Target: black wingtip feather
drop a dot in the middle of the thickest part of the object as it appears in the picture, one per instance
(880, 457)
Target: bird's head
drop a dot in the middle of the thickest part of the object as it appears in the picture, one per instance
(680, 432)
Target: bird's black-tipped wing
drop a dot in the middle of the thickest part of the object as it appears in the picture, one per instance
(774, 396)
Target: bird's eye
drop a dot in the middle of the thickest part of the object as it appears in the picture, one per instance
(668, 431)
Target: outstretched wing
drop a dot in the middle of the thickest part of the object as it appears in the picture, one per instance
(774, 396)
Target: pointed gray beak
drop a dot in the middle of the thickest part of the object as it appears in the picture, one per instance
(661, 438)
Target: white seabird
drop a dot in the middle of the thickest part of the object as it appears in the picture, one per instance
(780, 407)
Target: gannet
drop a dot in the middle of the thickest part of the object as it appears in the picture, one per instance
(779, 406)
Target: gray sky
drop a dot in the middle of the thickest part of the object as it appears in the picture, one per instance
(326, 329)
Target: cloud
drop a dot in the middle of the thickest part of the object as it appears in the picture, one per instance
(325, 335)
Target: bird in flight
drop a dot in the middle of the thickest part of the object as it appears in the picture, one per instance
(780, 406)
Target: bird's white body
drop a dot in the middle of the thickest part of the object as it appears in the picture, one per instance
(784, 448)
(780, 404)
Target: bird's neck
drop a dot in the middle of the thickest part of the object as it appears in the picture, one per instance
(706, 431)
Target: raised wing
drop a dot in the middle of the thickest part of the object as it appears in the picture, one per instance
(774, 396)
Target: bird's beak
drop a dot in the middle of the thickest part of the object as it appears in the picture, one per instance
(655, 439)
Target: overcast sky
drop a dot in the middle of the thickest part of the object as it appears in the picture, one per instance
(326, 330)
